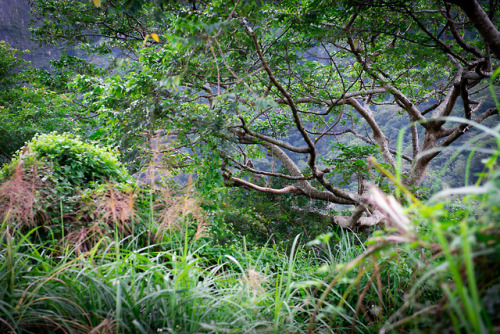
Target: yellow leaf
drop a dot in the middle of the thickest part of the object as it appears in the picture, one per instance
(97, 3)
(155, 37)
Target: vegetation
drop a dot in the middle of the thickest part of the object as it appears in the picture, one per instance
(36, 101)
(246, 81)
(252, 167)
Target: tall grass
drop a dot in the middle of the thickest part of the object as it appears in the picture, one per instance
(125, 289)
(393, 282)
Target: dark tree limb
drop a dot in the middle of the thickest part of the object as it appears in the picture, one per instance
(482, 22)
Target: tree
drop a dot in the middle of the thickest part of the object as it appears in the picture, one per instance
(35, 101)
(279, 82)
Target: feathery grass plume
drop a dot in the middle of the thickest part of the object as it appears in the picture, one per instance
(85, 238)
(254, 279)
(171, 207)
(111, 204)
(17, 199)
(107, 208)
(116, 207)
(177, 210)
(391, 209)
(107, 326)
(24, 194)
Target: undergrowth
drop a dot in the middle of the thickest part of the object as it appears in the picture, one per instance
(133, 259)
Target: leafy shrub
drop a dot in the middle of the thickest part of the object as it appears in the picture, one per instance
(77, 163)
(58, 168)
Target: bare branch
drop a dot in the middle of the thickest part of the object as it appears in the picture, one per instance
(234, 181)
(378, 135)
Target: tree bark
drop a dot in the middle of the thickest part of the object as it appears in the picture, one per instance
(482, 22)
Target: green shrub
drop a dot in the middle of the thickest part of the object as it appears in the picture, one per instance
(76, 163)
(52, 171)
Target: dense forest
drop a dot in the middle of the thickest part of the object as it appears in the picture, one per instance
(248, 166)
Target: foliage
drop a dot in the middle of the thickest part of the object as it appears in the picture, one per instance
(34, 101)
(352, 160)
(263, 218)
(439, 267)
(134, 290)
(76, 164)
(52, 171)
(11, 63)
(270, 83)
(247, 96)
(393, 282)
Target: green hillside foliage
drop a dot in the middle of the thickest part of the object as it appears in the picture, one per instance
(35, 101)
(252, 167)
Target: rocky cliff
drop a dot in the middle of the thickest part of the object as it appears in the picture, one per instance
(15, 21)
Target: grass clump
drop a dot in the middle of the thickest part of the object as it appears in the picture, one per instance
(123, 288)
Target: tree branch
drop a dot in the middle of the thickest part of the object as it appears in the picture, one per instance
(482, 22)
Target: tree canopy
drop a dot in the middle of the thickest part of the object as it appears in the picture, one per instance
(251, 166)
(301, 91)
